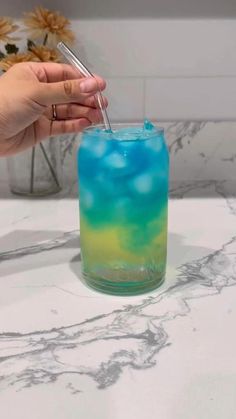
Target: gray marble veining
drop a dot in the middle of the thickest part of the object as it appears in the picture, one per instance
(39, 247)
(135, 333)
(177, 132)
(57, 335)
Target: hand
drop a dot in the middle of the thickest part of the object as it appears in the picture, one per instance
(28, 91)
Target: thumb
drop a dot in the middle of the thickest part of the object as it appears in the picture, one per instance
(66, 91)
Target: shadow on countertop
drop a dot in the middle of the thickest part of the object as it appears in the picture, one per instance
(31, 250)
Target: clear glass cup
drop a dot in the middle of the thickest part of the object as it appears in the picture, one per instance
(36, 171)
(123, 199)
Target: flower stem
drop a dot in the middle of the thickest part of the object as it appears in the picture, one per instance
(49, 165)
(45, 39)
(32, 171)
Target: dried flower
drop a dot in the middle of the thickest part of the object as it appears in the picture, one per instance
(11, 59)
(43, 23)
(6, 28)
(45, 54)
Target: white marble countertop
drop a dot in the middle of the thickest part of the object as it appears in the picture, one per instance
(67, 352)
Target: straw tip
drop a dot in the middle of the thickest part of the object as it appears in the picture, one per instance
(60, 44)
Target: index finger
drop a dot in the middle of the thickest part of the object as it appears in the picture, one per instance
(55, 72)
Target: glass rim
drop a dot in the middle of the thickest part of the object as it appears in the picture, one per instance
(116, 126)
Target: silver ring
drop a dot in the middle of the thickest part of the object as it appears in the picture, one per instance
(54, 113)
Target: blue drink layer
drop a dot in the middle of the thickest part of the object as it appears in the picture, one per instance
(123, 183)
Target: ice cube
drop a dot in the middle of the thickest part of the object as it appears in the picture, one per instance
(148, 125)
(123, 204)
(142, 184)
(115, 161)
(87, 199)
(97, 148)
(154, 144)
(127, 145)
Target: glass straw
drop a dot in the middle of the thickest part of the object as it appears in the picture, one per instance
(73, 60)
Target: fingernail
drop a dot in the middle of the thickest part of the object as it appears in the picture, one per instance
(88, 85)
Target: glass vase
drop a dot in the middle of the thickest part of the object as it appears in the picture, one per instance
(36, 171)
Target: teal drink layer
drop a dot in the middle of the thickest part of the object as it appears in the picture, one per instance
(123, 188)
